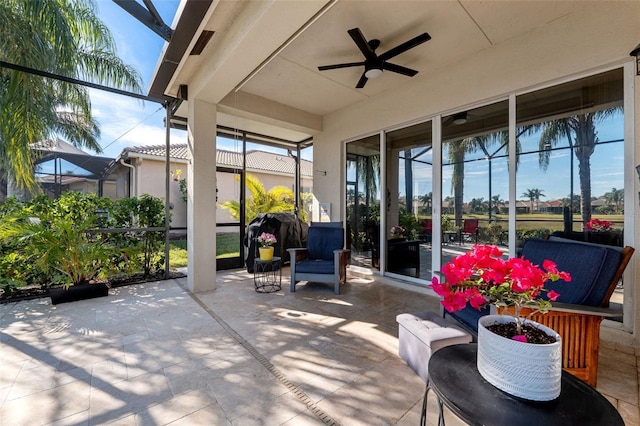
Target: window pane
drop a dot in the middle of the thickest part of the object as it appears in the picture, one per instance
(570, 173)
(410, 185)
(475, 175)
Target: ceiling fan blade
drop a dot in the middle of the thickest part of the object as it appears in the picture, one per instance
(405, 46)
(336, 66)
(362, 81)
(399, 69)
(361, 42)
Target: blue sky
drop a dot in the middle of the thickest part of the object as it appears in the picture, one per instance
(125, 121)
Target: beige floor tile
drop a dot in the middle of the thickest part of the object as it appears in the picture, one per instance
(154, 356)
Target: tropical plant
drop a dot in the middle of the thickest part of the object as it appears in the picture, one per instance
(44, 241)
(63, 37)
(456, 151)
(277, 200)
(62, 247)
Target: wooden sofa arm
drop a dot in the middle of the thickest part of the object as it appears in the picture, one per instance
(584, 310)
(567, 308)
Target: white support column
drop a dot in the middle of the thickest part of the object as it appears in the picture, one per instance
(201, 192)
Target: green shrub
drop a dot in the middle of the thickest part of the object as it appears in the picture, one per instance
(53, 241)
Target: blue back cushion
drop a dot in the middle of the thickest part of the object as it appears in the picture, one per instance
(591, 267)
(322, 241)
(609, 268)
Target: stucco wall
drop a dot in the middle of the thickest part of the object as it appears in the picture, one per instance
(151, 180)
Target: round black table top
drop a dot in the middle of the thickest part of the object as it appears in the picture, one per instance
(275, 259)
(455, 379)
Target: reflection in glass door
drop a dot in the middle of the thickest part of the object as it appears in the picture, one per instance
(363, 201)
(409, 165)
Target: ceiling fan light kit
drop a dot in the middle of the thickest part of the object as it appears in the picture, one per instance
(460, 118)
(373, 73)
(374, 64)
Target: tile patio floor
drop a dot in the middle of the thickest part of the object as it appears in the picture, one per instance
(154, 354)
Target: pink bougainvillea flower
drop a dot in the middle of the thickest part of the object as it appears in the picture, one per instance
(552, 295)
(476, 300)
(454, 301)
(441, 289)
(481, 276)
(520, 338)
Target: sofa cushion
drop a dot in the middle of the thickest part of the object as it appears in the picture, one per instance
(591, 268)
(315, 266)
(322, 241)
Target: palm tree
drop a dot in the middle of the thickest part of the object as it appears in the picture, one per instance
(425, 200)
(615, 197)
(63, 37)
(277, 200)
(580, 132)
(457, 149)
(533, 194)
(456, 153)
(497, 203)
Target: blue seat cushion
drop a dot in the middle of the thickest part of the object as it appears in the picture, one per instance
(469, 317)
(315, 266)
(322, 241)
(591, 268)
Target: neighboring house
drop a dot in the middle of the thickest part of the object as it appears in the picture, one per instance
(62, 167)
(141, 170)
(553, 206)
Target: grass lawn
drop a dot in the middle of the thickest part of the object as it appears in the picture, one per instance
(227, 245)
(535, 221)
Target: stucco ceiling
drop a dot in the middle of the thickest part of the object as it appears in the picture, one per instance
(258, 90)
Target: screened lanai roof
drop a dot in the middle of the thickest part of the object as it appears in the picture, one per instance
(56, 148)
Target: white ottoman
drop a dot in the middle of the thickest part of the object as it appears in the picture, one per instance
(423, 333)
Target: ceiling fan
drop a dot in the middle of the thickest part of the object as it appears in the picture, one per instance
(373, 63)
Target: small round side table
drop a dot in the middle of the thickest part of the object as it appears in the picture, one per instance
(267, 275)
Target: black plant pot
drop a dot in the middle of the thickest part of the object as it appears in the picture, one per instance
(78, 292)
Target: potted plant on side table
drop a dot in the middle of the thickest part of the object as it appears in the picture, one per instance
(266, 241)
(516, 355)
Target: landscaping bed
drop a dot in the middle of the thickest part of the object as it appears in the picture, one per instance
(29, 292)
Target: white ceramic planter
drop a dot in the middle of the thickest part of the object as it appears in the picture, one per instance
(520, 369)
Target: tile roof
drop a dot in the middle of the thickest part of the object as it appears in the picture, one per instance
(256, 160)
